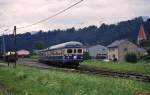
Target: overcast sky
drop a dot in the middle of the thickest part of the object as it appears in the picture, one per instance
(89, 12)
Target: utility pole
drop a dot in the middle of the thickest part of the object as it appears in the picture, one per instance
(1, 50)
(14, 32)
(14, 38)
(4, 50)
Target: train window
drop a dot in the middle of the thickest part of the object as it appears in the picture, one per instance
(49, 53)
(46, 54)
(41, 54)
(75, 51)
(69, 51)
(79, 50)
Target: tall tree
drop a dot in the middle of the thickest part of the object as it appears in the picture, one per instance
(38, 45)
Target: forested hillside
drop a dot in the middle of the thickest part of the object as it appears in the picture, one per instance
(105, 34)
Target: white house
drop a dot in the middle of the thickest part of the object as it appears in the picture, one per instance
(23, 53)
(98, 51)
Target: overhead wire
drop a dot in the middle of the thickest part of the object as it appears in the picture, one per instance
(60, 12)
(43, 20)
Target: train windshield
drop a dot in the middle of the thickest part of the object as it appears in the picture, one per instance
(70, 51)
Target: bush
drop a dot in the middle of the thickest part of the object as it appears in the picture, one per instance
(100, 57)
(131, 57)
(86, 56)
(21, 76)
(148, 51)
(146, 57)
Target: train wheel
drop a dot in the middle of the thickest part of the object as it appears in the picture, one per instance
(76, 65)
(40, 61)
(62, 65)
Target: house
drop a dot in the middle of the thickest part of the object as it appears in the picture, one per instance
(10, 52)
(98, 51)
(118, 49)
(142, 52)
(23, 53)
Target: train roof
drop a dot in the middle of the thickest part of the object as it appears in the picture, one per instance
(67, 44)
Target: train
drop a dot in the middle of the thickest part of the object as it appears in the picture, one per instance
(65, 54)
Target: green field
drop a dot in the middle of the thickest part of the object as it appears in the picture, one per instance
(120, 66)
(32, 81)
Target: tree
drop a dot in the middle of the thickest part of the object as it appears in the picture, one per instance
(86, 56)
(38, 45)
(131, 57)
(148, 51)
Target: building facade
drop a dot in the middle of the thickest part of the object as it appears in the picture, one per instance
(98, 51)
(118, 49)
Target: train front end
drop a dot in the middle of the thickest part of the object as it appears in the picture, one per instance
(73, 55)
(66, 54)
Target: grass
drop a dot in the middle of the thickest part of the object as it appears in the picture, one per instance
(120, 66)
(31, 81)
(33, 56)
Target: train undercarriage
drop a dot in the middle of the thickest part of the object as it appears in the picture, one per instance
(73, 64)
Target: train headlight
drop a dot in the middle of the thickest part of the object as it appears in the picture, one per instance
(75, 57)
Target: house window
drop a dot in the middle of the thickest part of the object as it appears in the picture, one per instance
(125, 49)
(112, 49)
(103, 49)
(114, 57)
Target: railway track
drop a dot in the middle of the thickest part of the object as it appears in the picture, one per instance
(91, 70)
(117, 74)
